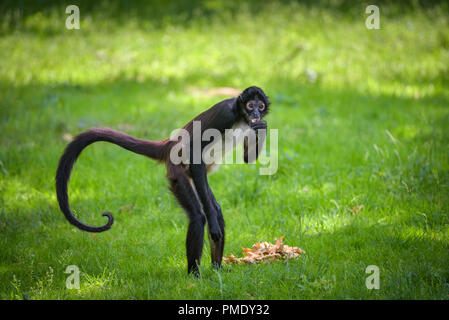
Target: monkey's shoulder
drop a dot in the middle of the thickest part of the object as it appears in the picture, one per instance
(225, 107)
(227, 102)
(221, 116)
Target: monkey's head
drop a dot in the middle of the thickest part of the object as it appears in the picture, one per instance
(252, 104)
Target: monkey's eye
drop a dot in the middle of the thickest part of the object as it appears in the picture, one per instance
(261, 107)
(249, 106)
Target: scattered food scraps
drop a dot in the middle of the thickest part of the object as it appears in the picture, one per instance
(266, 252)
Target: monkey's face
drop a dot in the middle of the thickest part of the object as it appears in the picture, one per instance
(255, 110)
(253, 105)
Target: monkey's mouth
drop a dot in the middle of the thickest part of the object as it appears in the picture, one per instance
(253, 120)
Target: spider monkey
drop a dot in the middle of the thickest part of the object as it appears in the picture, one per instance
(187, 182)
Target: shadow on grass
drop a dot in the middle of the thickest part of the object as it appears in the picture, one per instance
(121, 10)
(159, 13)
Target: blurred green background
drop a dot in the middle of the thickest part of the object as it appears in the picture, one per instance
(363, 146)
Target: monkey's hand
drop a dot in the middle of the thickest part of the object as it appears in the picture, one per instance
(259, 125)
(215, 232)
(251, 149)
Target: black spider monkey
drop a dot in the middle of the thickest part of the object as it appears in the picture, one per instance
(187, 182)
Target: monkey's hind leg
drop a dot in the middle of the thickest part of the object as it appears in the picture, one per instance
(216, 247)
(187, 198)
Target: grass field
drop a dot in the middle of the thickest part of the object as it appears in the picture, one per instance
(363, 119)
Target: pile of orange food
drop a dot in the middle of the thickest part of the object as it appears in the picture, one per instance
(266, 252)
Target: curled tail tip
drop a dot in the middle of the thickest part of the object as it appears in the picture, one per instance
(89, 228)
(108, 225)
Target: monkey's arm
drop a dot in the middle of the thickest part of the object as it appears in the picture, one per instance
(251, 151)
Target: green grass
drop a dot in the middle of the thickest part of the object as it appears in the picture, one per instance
(372, 130)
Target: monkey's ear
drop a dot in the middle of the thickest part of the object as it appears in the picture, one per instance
(267, 101)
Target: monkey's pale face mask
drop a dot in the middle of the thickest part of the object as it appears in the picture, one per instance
(255, 110)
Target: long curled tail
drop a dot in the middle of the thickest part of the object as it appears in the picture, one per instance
(152, 149)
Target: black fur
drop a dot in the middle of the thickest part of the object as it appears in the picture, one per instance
(188, 183)
(251, 93)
